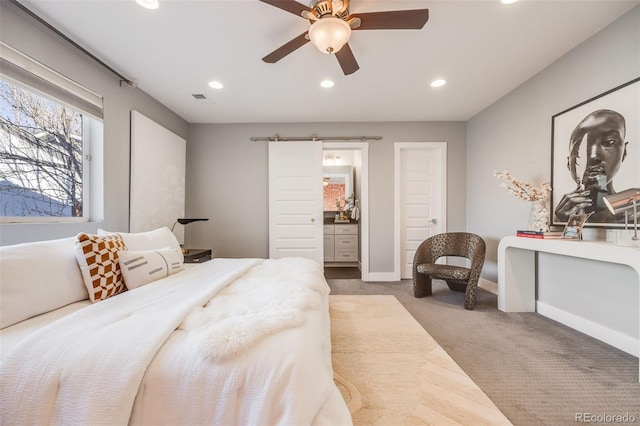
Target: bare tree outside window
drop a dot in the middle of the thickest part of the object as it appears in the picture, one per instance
(41, 156)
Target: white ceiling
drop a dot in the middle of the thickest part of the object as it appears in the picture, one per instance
(484, 49)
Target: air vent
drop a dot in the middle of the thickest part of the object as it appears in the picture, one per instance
(199, 96)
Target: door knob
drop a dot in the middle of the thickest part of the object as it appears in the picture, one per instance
(434, 221)
(313, 219)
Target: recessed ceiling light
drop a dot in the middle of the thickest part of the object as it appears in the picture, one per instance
(149, 4)
(508, 1)
(438, 83)
(216, 84)
(327, 84)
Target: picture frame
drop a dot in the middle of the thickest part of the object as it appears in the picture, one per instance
(595, 151)
(573, 228)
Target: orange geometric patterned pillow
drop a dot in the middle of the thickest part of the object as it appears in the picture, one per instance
(97, 256)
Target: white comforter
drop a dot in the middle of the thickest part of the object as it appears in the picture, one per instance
(120, 361)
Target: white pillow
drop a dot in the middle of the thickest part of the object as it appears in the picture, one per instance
(37, 278)
(142, 267)
(149, 240)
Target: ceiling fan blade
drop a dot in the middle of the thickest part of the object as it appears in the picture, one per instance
(346, 60)
(286, 48)
(393, 20)
(290, 6)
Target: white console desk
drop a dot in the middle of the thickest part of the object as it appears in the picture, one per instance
(517, 266)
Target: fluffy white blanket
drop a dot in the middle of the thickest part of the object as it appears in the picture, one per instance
(269, 298)
(231, 374)
(86, 368)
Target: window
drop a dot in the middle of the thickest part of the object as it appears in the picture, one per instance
(47, 123)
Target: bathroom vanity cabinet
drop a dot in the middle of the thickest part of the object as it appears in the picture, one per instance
(341, 244)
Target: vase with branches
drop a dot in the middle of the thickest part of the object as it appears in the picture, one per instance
(537, 196)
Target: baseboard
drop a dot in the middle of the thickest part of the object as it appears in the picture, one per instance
(612, 337)
(490, 286)
(342, 265)
(381, 276)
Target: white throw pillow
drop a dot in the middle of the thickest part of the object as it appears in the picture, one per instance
(37, 278)
(149, 240)
(142, 267)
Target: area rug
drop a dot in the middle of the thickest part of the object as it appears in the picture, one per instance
(390, 371)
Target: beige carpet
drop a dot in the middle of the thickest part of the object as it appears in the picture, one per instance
(390, 371)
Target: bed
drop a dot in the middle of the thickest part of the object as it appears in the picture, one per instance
(226, 342)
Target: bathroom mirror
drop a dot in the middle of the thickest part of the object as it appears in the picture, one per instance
(337, 182)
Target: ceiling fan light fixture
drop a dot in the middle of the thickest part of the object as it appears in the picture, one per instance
(329, 35)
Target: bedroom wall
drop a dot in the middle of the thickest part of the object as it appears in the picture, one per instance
(515, 132)
(32, 38)
(227, 181)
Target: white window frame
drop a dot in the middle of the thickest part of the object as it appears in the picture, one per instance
(92, 119)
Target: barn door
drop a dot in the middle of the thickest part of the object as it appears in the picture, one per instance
(295, 200)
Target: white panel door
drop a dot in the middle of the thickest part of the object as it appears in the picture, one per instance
(421, 193)
(295, 200)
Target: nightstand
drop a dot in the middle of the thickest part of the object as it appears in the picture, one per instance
(197, 255)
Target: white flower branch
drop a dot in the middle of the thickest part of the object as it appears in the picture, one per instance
(523, 190)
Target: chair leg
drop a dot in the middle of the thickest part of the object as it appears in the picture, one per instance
(470, 296)
(421, 285)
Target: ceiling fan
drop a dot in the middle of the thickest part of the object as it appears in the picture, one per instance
(331, 26)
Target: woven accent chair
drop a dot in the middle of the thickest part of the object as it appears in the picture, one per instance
(461, 244)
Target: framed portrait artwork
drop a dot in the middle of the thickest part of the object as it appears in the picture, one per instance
(595, 152)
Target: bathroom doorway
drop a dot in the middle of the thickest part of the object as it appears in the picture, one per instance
(345, 215)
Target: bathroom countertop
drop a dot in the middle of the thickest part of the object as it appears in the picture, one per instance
(332, 221)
